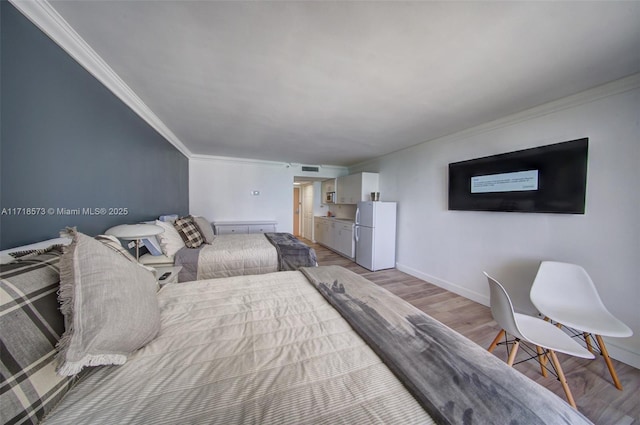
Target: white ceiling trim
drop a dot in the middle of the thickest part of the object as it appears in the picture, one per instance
(632, 82)
(200, 157)
(45, 17)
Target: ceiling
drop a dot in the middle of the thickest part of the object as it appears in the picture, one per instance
(337, 83)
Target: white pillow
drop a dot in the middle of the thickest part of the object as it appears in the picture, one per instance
(170, 240)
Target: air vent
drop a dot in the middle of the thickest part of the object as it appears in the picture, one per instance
(308, 168)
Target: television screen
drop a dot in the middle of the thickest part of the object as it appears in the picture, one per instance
(545, 179)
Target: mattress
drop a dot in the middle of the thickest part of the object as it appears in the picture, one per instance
(254, 349)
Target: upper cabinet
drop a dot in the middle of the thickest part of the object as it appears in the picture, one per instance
(354, 188)
(328, 186)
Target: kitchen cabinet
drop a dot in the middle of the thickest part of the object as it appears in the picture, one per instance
(343, 240)
(346, 185)
(319, 225)
(330, 234)
(326, 187)
(335, 234)
(354, 188)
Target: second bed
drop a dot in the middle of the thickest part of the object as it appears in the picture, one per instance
(244, 254)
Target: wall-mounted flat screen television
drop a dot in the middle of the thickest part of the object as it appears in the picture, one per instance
(545, 179)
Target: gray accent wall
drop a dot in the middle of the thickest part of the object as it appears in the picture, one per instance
(71, 149)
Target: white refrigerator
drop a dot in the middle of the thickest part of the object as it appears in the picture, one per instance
(375, 235)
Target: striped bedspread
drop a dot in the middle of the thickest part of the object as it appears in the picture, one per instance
(260, 349)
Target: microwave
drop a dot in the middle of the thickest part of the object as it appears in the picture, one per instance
(330, 198)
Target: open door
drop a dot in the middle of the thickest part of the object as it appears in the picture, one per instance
(296, 211)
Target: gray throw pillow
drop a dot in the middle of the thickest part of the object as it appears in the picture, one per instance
(189, 232)
(109, 303)
(205, 228)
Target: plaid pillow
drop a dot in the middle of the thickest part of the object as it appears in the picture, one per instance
(31, 325)
(189, 232)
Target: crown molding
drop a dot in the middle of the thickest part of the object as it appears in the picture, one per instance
(612, 88)
(45, 17)
(202, 157)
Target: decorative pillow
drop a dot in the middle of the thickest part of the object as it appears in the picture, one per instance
(205, 228)
(189, 232)
(109, 304)
(170, 240)
(31, 325)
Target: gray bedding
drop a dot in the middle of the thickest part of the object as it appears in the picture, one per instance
(454, 379)
(292, 254)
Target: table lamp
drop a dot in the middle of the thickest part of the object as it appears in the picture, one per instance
(134, 232)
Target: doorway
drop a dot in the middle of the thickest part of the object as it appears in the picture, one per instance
(307, 211)
(296, 211)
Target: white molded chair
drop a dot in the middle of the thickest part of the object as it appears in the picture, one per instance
(547, 338)
(565, 293)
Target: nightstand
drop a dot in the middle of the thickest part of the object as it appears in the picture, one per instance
(172, 278)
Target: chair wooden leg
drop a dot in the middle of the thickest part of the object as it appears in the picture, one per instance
(543, 360)
(587, 340)
(513, 352)
(563, 380)
(495, 341)
(607, 360)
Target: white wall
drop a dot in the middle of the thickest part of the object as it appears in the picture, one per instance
(452, 248)
(220, 189)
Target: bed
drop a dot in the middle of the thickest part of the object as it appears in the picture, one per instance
(317, 345)
(226, 255)
(239, 254)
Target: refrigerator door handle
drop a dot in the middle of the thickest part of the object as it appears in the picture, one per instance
(357, 215)
(357, 233)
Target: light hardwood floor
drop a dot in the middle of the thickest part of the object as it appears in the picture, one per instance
(590, 381)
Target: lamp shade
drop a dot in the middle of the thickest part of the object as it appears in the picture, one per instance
(134, 231)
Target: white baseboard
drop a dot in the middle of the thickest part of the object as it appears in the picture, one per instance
(622, 354)
(616, 351)
(449, 286)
